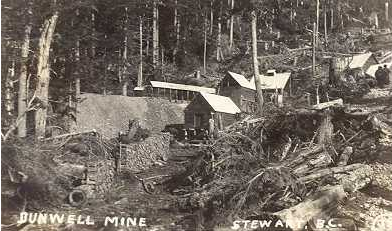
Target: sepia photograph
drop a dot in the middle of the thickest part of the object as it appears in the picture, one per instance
(192, 115)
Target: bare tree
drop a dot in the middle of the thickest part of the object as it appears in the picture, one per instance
(43, 73)
(22, 94)
(256, 72)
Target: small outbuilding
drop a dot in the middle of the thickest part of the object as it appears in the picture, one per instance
(207, 106)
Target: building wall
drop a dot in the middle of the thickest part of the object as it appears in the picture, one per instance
(241, 96)
(197, 106)
(201, 107)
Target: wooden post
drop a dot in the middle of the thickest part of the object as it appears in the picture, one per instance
(170, 95)
(386, 12)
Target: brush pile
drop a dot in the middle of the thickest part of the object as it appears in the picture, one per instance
(276, 162)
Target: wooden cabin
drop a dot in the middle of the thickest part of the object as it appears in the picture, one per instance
(275, 85)
(175, 91)
(240, 90)
(206, 106)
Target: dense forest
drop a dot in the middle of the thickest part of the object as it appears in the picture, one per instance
(53, 50)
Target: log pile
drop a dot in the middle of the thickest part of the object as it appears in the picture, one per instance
(282, 159)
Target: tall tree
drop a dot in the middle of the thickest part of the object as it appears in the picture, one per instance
(43, 72)
(22, 94)
(259, 92)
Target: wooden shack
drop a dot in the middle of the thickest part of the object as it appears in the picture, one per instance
(275, 85)
(206, 106)
(174, 91)
(240, 90)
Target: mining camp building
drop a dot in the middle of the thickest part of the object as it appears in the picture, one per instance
(275, 85)
(175, 91)
(206, 106)
(240, 90)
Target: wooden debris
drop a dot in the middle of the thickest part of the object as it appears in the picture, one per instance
(297, 217)
(333, 103)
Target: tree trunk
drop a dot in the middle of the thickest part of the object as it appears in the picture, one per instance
(317, 17)
(314, 51)
(155, 42)
(125, 56)
(205, 47)
(219, 42)
(140, 76)
(313, 207)
(22, 94)
(77, 60)
(231, 26)
(325, 25)
(43, 73)
(212, 17)
(332, 15)
(92, 54)
(256, 72)
(177, 31)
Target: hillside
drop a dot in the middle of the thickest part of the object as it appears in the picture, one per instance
(110, 114)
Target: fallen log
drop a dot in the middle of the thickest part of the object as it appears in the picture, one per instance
(328, 171)
(333, 103)
(68, 134)
(297, 216)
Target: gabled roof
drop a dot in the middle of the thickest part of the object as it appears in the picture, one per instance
(241, 80)
(373, 68)
(278, 81)
(220, 103)
(359, 60)
(183, 87)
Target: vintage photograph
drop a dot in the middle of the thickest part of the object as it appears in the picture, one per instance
(272, 115)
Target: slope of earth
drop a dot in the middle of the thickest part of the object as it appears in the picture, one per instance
(111, 113)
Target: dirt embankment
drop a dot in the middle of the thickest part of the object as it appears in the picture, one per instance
(111, 113)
